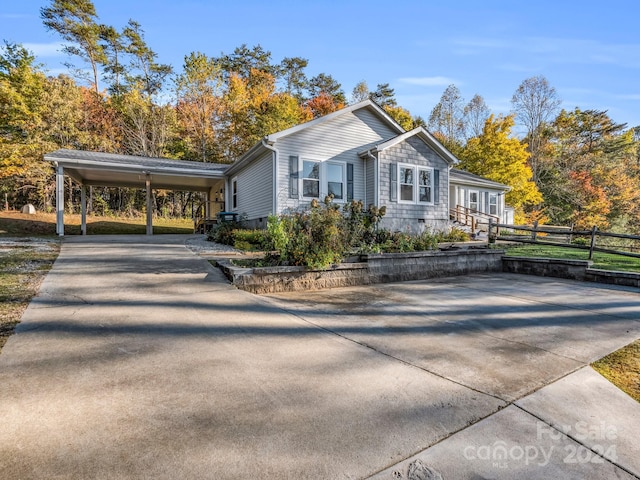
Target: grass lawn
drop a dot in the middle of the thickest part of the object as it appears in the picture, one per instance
(605, 261)
(622, 368)
(18, 224)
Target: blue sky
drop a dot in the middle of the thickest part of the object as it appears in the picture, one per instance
(588, 50)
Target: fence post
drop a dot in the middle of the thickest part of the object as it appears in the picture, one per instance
(534, 232)
(490, 238)
(594, 231)
(571, 234)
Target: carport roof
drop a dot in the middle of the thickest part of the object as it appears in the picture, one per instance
(112, 170)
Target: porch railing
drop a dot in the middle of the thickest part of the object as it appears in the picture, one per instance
(471, 217)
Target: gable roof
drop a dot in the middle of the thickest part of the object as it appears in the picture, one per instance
(424, 135)
(265, 144)
(466, 178)
(377, 109)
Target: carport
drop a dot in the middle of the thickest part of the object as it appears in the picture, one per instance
(112, 170)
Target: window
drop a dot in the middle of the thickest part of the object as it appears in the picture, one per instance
(311, 179)
(406, 175)
(349, 182)
(474, 200)
(335, 180)
(234, 193)
(493, 204)
(293, 176)
(415, 184)
(425, 185)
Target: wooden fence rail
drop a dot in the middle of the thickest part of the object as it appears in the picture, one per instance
(501, 231)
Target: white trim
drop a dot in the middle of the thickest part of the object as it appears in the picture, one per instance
(302, 178)
(431, 186)
(343, 166)
(411, 167)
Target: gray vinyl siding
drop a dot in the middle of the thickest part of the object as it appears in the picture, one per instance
(255, 188)
(340, 139)
(403, 216)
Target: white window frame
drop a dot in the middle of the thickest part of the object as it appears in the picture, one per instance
(477, 202)
(234, 193)
(325, 171)
(303, 178)
(493, 196)
(323, 181)
(403, 166)
(416, 183)
(431, 185)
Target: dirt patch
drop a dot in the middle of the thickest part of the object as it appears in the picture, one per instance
(24, 263)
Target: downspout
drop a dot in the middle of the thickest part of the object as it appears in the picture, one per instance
(376, 185)
(276, 154)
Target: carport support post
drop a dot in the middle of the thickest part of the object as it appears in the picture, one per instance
(149, 206)
(60, 200)
(83, 209)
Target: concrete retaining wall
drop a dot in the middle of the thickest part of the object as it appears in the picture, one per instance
(381, 268)
(628, 279)
(547, 267)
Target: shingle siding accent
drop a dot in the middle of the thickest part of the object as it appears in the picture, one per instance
(339, 140)
(405, 216)
(255, 188)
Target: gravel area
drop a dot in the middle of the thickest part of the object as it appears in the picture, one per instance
(200, 244)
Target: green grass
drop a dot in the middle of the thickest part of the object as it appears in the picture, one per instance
(44, 224)
(622, 368)
(605, 261)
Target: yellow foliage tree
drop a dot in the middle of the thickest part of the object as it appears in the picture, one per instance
(502, 158)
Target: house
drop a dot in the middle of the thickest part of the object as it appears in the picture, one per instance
(360, 153)
(356, 153)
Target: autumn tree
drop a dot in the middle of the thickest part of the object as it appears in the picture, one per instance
(500, 157)
(360, 92)
(76, 22)
(199, 92)
(535, 102)
(587, 170)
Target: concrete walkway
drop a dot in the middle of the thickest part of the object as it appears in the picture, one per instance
(138, 360)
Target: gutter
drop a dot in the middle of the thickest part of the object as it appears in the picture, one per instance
(276, 154)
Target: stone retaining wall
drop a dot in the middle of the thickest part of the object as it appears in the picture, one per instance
(547, 267)
(380, 268)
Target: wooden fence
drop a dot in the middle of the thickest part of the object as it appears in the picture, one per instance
(593, 240)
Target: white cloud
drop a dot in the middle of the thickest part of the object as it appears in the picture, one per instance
(428, 81)
(45, 49)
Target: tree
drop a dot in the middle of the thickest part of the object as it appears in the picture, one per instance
(534, 103)
(145, 74)
(360, 92)
(384, 96)
(199, 92)
(243, 60)
(114, 51)
(447, 117)
(588, 170)
(475, 115)
(292, 72)
(76, 22)
(498, 156)
(323, 83)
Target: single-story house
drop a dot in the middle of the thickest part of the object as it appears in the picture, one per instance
(359, 153)
(356, 153)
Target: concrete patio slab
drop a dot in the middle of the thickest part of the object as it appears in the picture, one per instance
(138, 360)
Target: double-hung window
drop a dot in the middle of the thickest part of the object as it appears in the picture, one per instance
(310, 179)
(335, 180)
(415, 184)
(425, 185)
(406, 182)
(493, 204)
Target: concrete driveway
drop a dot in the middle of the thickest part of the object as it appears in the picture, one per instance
(138, 360)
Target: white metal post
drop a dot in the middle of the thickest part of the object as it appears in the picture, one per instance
(60, 200)
(149, 206)
(83, 209)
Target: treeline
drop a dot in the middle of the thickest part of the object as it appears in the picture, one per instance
(571, 166)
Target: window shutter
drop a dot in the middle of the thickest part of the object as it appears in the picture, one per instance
(293, 176)
(486, 203)
(393, 183)
(436, 186)
(349, 182)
